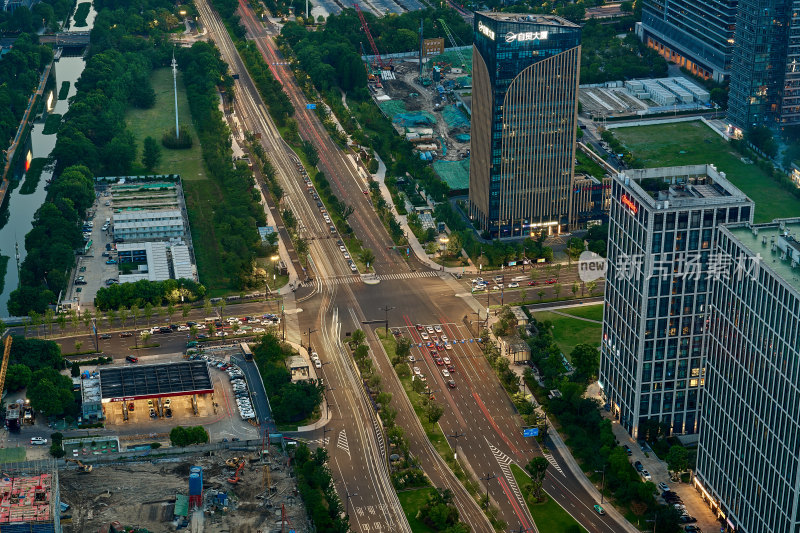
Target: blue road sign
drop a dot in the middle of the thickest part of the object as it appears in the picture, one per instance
(530, 432)
(311, 106)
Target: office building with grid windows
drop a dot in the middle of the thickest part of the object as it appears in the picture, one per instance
(765, 73)
(696, 34)
(524, 122)
(662, 225)
(748, 459)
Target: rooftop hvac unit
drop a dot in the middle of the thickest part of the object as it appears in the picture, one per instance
(794, 264)
(764, 240)
(755, 232)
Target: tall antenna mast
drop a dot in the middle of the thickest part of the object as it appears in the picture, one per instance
(175, 90)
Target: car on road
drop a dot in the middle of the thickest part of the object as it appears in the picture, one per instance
(663, 486)
(638, 466)
(599, 510)
(448, 346)
(82, 269)
(437, 328)
(692, 529)
(132, 359)
(687, 519)
(477, 280)
(451, 368)
(419, 327)
(496, 287)
(126, 334)
(627, 450)
(342, 249)
(551, 281)
(397, 333)
(346, 255)
(430, 329)
(533, 283)
(412, 359)
(479, 288)
(445, 338)
(438, 361)
(646, 475)
(317, 363)
(424, 335)
(417, 371)
(111, 262)
(451, 383)
(446, 360)
(513, 285)
(105, 336)
(353, 267)
(78, 289)
(38, 441)
(445, 373)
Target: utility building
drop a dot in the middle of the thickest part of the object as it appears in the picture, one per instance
(524, 121)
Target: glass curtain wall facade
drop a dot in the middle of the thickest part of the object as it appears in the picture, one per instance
(765, 74)
(749, 450)
(662, 226)
(696, 34)
(524, 121)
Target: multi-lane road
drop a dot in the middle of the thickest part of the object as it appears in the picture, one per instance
(478, 409)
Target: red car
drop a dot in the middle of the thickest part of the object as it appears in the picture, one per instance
(419, 327)
(551, 281)
(451, 368)
(438, 361)
(451, 383)
(434, 353)
(533, 283)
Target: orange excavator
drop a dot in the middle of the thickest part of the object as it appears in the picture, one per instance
(235, 479)
(82, 468)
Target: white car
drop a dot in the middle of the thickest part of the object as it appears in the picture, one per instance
(317, 363)
(417, 371)
(424, 335)
(448, 346)
(446, 360)
(38, 441)
(412, 359)
(437, 328)
(477, 280)
(342, 249)
(646, 475)
(444, 338)
(314, 355)
(259, 330)
(445, 373)
(513, 285)
(430, 329)
(183, 328)
(346, 255)
(496, 287)
(478, 288)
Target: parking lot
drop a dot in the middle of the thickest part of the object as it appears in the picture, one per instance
(92, 266)
(172, 410)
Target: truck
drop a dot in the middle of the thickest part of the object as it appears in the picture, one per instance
(12, 417)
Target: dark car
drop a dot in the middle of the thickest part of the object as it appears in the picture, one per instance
(638, 466)
(119, 239)
(686, 519)
(126, 334)
(628, 450)
(173, 327)
(105, 336)
(190, 324)
(693, 529)
(451, 367)
(451, 383)
(202, 336)
(132, 359)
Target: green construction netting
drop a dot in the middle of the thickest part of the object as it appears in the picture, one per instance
(396, 109)
(454, 173)
(453, 59)
(464, 81)
(454, 117)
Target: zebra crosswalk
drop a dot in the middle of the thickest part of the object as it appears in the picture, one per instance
(347, 279)
(504, 462)
(341, 442)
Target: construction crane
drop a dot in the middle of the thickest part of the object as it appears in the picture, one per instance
(371, 78)
(82, 468)
(365, 27)
(452, 40)
(4, 368)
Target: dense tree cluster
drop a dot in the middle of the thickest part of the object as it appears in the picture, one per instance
(142, 292)
(185, 436)
(270, 89)
(290, 402)
(35, 353)
(440, 513)
(51, 393)
(315, 484)
(20, 70)
(45, 14)
(238, 211)
(605, 57)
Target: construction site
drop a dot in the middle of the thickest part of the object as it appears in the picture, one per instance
(29, 498)
(247, 490)
(427, 96)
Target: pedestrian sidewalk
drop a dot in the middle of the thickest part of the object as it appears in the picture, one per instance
(413, 242)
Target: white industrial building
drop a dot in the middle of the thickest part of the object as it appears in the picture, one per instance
(668, 91)
(158, 224)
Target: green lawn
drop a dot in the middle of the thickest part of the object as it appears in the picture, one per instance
(160, 118)
(692, 143)
(569, 332)
(592, 312)
(411, 501)
(549, 516)
(12, 455)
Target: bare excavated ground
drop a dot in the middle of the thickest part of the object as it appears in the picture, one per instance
(142, 494)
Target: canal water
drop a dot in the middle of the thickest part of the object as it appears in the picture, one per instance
(21, 207)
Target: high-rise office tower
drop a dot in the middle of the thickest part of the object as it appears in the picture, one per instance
(695, 34)
(765, 74)
(524, 121)
(748, 460)
(662, 225)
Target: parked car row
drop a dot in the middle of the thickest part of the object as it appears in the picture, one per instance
(238, 383)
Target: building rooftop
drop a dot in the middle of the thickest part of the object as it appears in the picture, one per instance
(297, 361)
(141, 215)
(550, 20)
(182, 266)
(149, 381)
(26, 500)
(90, 390)
(682, 186)
(777, 243)
(157, 262)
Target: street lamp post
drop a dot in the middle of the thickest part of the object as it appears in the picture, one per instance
(604, 482)
(310, 331)
(458, 435)
(274, 259)
(487, 479)
(347, 503)
(386, 310)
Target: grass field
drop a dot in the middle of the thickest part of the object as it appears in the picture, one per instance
(692, 143)
(548, 515)
(12, 455)
(592, 312)
(569, 332)
(160, 118)
(411, 501)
